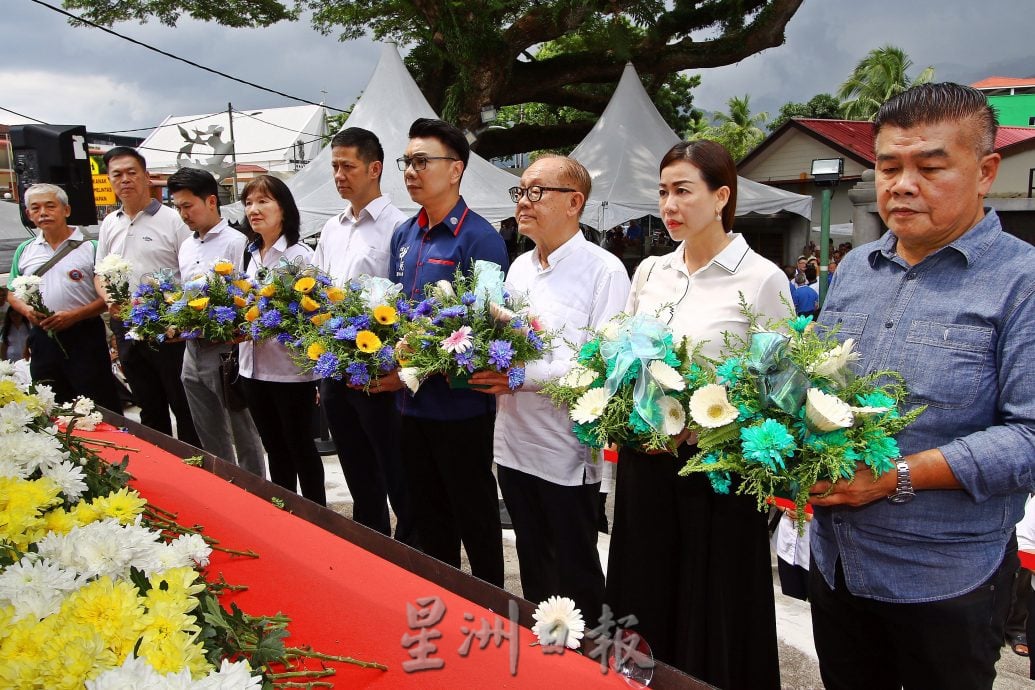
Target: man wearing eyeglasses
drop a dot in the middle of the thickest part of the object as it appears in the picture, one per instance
(446, 433)
(550, 482)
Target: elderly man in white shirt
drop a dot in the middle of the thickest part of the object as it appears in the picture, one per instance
(364, 426)
(549, 481)
(226, 429)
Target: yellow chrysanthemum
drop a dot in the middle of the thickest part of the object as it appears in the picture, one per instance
(268, 290)
(223, 268)
(367, 341)
(320, 319)
(314, 351)
(19, 651)
(386, 315)
(112, 608)
(9, 392)
(243, 285)
(171, 297)
(124, 505)
(60, 521)
(198, 304)
(240, 302)
(174, 590)
(71, 654)
(172, 653)
(22, 504)
(84, 513)
(334, 294)
(251, 314)
(305, 284)
(308, 304)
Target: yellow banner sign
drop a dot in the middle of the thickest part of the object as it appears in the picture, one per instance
(103, 194)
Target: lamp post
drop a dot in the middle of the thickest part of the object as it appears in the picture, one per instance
(826, 173)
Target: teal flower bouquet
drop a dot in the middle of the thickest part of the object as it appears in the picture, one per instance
(783, 411)
(630, 385)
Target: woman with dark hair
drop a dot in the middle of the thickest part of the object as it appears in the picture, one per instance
(14, 336)
(691, 565)
(280, 397)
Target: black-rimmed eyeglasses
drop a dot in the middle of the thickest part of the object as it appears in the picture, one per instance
(535, 192)
(420, 162)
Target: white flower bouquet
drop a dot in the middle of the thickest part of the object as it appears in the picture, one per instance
(115, 271)
(27, 289)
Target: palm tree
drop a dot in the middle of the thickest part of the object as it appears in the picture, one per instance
(879, 76)
(739, 131)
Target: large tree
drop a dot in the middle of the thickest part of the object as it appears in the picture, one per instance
(468, 54)
(879, 76)
(822, 105)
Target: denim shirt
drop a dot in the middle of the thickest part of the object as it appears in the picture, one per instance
(960, 328)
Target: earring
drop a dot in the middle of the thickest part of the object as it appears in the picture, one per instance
(718, 215)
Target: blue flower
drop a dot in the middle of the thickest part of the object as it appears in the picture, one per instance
(358, 375)
(360, 322)
(234, 291)
(386, 355)
(517, 323)
(293, 307)
(465, 359)
(536, 341)
(424, 307)
(326, 365)
(191, 335)
(456, 312)
(638, 424)
(144, 290)
(729, 372)
(403, 307)
(223, 314)
(355, 286)
(177, 306)
(142, 314)
(588, 351)
(334, 323)
(346, 333)
(469, 298)
(767, 443)
(323, 280)
(719, 479)
(515, 377)
(270, 319)
(800, 323)
(876, 399)
(696, 377)
(284, 338)
(745, 413)
(263, 303)
(586, 434)
(500, 354)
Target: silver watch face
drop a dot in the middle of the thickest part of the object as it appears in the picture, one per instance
(902, 497)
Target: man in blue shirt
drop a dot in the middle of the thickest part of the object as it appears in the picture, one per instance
(447, 433)
(912, 571)
(806, 300)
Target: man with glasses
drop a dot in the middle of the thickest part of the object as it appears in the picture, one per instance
(550, 481)
(446, 433)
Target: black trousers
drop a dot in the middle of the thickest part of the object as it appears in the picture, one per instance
(366, 429)
(453, 492)
(954, 643)
(283, 414)
(82, 368)
(153, 372)
(556, 530)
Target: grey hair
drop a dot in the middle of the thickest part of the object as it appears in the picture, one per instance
(929, 104)
(44, 188)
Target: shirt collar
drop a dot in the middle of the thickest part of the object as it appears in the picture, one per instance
(373, 210)
(971, 245)
(452, 221)
(76, 234)
(151, 209)
(214, 230)
(557, 255)
(729, 259)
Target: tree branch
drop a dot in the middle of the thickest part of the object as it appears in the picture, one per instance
(494, 143)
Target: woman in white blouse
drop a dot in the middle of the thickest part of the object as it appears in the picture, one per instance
(280, 397)
(691, 565)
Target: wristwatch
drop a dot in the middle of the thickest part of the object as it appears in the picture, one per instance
(904, 492)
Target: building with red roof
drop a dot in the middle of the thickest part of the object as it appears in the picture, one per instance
(1012, 97)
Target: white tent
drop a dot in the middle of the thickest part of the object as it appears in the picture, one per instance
(389, 105)
(622, 153)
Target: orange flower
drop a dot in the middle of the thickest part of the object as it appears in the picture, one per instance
(367, 341)
(307, 303)
(314, 351)
(240, 302)
(268, 290)
(243, 285)
(320, 319)
(251, 314)
(386, 315)
(223, 268)
(198, 304)
(334, 294)
(305, 284)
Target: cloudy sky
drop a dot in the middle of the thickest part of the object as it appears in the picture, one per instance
(67, 75)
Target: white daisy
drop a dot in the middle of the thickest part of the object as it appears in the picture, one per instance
(710, 408)
(835, 364)
(825, 412)
(558, 622)
(590, 406)
(673, 415)
(445, 289)
(408, 375)
(669, 378)
(578, 377)
(500, 313)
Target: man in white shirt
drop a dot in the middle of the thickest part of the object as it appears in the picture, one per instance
(69, 347)
(148, 235)
(549, 481)
(225, 428)
(364, 426)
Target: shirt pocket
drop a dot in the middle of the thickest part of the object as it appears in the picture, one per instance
(945, 363)
(849, 324)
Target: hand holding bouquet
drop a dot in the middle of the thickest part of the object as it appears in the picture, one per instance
(212, 306)
(115, 271)
(143, 314)
(27, 289)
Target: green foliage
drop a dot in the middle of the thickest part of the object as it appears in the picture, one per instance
(822, 106)
(738, 130)
(878, 77)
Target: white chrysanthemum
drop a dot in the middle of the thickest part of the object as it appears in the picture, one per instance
(45, 400)
(133, 673)
(113, 266)
(193, 548)
(445, 289)
(105, 548)
(235, 675)
(83, 405)
(668, 377)
(26, 287)
(558, 622)
(835, 363)
(825, 412)
(22, 375)
(35, 588)
(868, 411)
(578, 377)
(611, 329)
(34, 450)
(14, 417)
(10, 465)
(672, 414)
(710, 408)
(408, 375)
(590, 406)
(70, 478)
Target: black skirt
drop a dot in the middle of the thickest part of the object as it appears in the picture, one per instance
(694, 568)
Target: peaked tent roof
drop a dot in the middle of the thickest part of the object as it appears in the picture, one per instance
(622, 153)
(390, 103)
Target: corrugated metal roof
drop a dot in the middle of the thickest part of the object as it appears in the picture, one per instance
(1009, 136)
(854, 135)
(1003, 82)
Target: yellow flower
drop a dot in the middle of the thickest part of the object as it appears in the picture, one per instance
(403, 352)
(386, 315)
(198, 304)
(268, 290)
(251, 314)
(243, 285)
(315, 350)
(320, 319)
(59, 521)
(223, 268)
(240, 302)
(22, 504)
(124, 505)
(84, 513)
(305, 284)
(334, 294)
(9, 392)
(171, 297)
(307, 303)
(112, 609)
(367, 341)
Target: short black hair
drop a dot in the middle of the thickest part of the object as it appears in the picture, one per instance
(366, 143)
(451, 137)
(121, 152)
(928, 104)
(291, 227)
(198, 182)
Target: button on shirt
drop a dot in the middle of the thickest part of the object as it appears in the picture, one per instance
(421, 255)
(199, 254)
(583, 287)
(350, 247)
(150, 240)
(268, 360)
(702, 305)
(967, 351)
(68, 284)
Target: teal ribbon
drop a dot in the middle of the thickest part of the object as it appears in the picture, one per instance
(781, 383)
(488, 284)
(640, 339)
